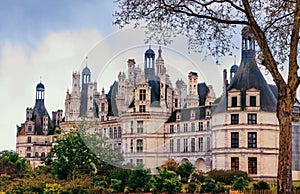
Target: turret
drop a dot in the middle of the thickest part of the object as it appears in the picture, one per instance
(149, 67)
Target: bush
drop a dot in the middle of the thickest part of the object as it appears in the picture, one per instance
(185, 170)
(261, 185)
(227, 176)
(209, 185)
(116, 185)
(192, 187)
(198, 176)
(239, 184)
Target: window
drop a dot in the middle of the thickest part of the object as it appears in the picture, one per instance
(200, 144)
(28, 155)
(234, 163)
(200, 126)
(171, 128)
(185, 127)
(252, 140)
(28, 149)
(178, 145)
(28, 139)
(234, 119)
(36, 155)
(29, 128)
(234, 139)
(131, 127)
(171, 145)
(115, 133)
(234, 101)
(252, 118)
(193, 145)
(193, 127)
(139, 145)
(185, 145)
(139, 161)
(119, 132)
(102, 118)
(176, 103)
(208, 125)
(110, 133)
(131, 145)
(102, 107)
(43, 155)
(142, 95)
(252, 165)
(140, 127)
(252, 100)
(142, 108)
(178, 128)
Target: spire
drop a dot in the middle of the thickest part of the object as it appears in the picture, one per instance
(86, 60)
(159, 52)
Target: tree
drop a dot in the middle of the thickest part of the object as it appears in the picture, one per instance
(138, 178)
(12, 165)
(185, 170)
(212, 23)
(166, 181)
(239, 183)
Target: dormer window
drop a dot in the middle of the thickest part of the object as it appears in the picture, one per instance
(142, 95)
(234, 101)
(253, 101)
(192, 114)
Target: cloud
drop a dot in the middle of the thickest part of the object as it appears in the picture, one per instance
(54, 59)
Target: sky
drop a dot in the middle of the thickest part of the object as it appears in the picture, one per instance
(45, 41)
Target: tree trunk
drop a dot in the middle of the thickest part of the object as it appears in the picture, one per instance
(284, 107)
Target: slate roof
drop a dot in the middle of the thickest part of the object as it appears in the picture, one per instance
(185, 114)
(111, 100)
(249, 76)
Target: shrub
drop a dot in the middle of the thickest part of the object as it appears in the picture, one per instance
(239, 184)
(198, 176)
(227, 176)
(261, 185)
(209, 185)
(192, 187)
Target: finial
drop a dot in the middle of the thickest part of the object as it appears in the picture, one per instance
(40, 79)
(86, 59)
(159, 51)
(235, 59)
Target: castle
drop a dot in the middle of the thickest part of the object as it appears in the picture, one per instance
(152, 121)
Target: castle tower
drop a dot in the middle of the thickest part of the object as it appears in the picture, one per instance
(160, 68)
(131, 68)
(86, 78)
(182, 91)
(193, 97)
(149, 67)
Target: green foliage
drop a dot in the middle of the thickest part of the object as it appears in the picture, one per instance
(116, 185)
(239, 183)
(198, 176)
(185, 170)
(166, 181)
(227, 176)
(261, 185)
(52, 188)
(192, 187)
(138, 178)
(209, 185)
(121, 174)
(12, 164)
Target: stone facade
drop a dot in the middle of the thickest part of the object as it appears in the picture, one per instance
(152, 121)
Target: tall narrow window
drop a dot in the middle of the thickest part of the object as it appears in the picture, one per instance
(178, 145)
(140, 128)
(193, 127)
(131, 127)
(171, 128)
(139, 161)
(200, 144)
(28, 139)
(234, 139)
(119, 132)
(115, 133)
(234, 163)
(185, 127)
(171, 145)
(234, 101)
(252, 118)
(176, 103)
(252, 140)
(142, 108)
(193, 145)
(139, 145)
(200, 126)
(234, 119)
(142, 95)
(102, 107)
(252, 100)
(178, 128)
(131, 145)
(252, 165)
(185, 145)
(111, 133)
(208, 125)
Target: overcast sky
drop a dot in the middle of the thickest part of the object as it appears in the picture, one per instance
(48, 40)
